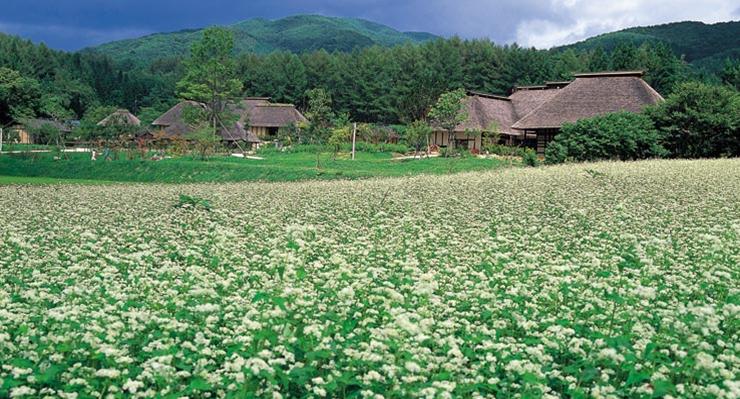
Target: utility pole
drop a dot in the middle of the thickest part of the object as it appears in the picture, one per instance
(354, 135)
(1, 140)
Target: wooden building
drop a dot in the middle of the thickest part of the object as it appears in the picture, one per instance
(25, 131)
(533, 115)
(589, 95)
(259, 120)
(486, 113)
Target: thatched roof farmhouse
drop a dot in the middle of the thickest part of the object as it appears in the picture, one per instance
(259, 119)
(172, 123)
(534, 114)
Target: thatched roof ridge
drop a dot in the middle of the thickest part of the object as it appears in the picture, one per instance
(533, 87)
(610, 74)
(590, 95)
(120, 117)
(472, 93)
(558, 84)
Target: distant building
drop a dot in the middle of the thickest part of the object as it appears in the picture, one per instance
(259, 120)
(26, 130)
(533, 115)
(120, 117)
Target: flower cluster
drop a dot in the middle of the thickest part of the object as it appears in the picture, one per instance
(606, 280)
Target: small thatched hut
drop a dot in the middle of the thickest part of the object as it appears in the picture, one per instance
(120, 117)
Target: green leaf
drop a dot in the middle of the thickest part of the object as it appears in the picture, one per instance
(637, 377)
(199, 384)
(49, 374)
(662, 388)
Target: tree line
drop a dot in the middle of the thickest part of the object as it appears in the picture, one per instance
(375, 85)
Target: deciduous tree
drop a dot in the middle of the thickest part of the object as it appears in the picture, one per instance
(448, 112)
(210, 77)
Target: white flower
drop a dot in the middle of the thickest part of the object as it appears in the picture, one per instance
(412, 367)
(20, 391)
(132, 386)
(108, 373)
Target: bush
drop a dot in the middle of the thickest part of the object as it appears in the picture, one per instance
(189, 202)
(530, 158)
(504, 150)
(620, 135)
(699, 121)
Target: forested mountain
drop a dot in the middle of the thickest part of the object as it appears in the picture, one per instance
(298, 34)
(703, 45)
(38, 81)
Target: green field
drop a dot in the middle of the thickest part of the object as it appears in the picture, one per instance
(605, 280)
(275, 167)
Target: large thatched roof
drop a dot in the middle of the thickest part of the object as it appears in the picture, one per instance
(120, 117)
(589, 95)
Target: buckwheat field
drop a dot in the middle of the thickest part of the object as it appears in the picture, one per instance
(606, 280)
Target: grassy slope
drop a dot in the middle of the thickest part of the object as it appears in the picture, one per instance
(276, 167)
(298, 34)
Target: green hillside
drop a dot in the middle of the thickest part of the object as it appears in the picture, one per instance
(698, 43)
(297, 34)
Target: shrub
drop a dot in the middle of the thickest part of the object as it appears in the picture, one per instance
(187, 201)
(530, 158)
(620, 135)
(699, 121)
(504, 150)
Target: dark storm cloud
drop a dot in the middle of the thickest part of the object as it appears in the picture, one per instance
(73, 24)
(78, 23)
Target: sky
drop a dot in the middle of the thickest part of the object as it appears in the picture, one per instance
(75, 24)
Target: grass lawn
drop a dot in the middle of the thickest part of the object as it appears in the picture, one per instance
(275, 167)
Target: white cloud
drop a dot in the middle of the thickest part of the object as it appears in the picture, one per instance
(579, 19)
